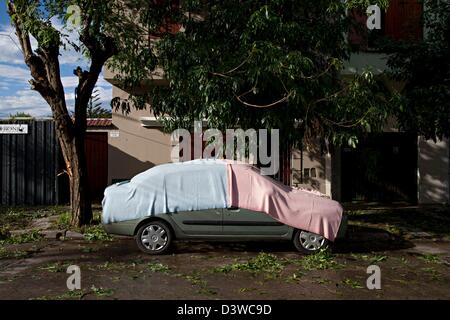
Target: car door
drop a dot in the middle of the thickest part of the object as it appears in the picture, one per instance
(201, 222)
(238, 221)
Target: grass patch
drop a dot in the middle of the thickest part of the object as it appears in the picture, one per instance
(55, 267)
(4, 233)
(96, 233)
(158, 267)
(26, 237)
(430, 258)
(70, 295)
(196, 280)
(322, 281)
(63, 221)
(371, 259)
(16, 218)
(79, 294)
(102, 292)
(15, 254)
(355, 284)
(262, 263)
(112, 266)
(65, 217)
(322, 260)
(244, 290)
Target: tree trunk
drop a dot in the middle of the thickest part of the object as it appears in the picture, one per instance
(75, 158)
(80, 200)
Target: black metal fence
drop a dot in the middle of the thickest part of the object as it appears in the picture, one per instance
(29, 164)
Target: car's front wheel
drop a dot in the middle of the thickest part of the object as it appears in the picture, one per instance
(308, 242)
(154, 237)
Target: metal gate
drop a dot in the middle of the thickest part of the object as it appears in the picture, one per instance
(29, 164)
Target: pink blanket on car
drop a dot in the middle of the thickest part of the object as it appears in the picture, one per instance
(297, 208)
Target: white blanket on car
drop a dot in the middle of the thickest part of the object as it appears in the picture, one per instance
(173, 187)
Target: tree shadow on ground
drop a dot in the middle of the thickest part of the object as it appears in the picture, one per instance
(360, 239)
(433, 220)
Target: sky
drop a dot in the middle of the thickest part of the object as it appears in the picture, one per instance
(15, 93)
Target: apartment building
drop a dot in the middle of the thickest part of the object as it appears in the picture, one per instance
(387, 167)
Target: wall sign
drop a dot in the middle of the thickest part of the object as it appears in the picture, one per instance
(13, 128)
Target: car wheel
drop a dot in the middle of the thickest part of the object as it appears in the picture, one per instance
(154, 237)
(308, 242)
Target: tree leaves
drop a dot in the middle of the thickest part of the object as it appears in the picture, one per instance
(424, 67)
(262, 64)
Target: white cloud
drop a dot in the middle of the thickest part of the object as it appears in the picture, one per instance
(16, 73)
(27, 101)
(12, 54)
(69, 82)
(104, 93)
(15, 95)
(9, 46)
(72, 82)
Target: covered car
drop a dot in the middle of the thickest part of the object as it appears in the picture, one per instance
(202, 194)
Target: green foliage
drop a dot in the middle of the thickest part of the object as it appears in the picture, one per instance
(430, 258)
(26, 237)
(96, 233)
(158, 267)
(352, 283)
(372, 259)
(19, 115)
(4, 233)
(102, 292)
(424, 67)
(262, 263)
(95, 109)
(55, 267)
(15, 254)
(63, 221)
(321, 260)
(254, 64)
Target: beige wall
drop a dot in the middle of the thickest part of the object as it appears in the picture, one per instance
(132, 147)
(433, 171)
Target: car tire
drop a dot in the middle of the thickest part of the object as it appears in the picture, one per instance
(308, 242)
(154, 237)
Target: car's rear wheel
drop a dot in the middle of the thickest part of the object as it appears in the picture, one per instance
(308, 242)
(154, 237)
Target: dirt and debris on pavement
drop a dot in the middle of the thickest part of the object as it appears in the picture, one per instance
(410, 245)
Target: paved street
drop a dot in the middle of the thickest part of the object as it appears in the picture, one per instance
(414, 265)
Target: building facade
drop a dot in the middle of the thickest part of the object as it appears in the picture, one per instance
(387, 167)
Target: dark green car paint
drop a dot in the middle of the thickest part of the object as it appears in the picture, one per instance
(217, 224)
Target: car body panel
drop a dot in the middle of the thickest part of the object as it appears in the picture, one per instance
(237, 221)
(201, 222)
(227, 224)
